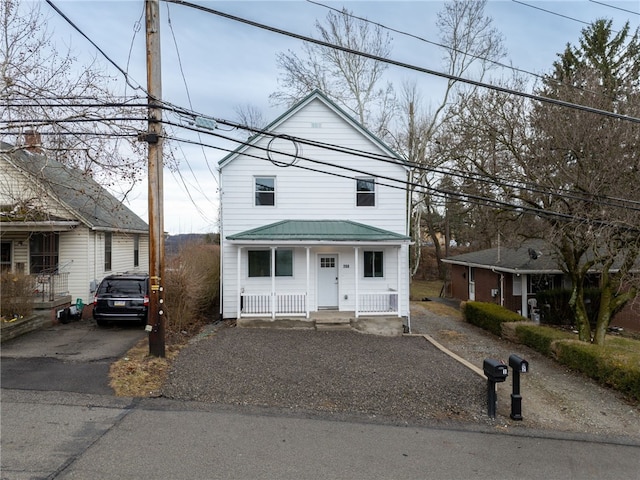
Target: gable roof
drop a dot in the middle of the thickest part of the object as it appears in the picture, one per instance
(314, 95)
(533, 256)
(318, 231)
(80, 194)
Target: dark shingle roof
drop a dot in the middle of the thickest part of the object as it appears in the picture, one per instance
(86, 200)
(531, 256)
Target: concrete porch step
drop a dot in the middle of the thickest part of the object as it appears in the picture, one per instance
(332, 324)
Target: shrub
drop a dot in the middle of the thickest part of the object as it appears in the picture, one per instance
(540, 338)
(192, 285)
(489, 316)
(555, 310)
(17, 291)
(615, 365)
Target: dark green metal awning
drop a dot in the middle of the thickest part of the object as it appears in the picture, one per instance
(319, 230)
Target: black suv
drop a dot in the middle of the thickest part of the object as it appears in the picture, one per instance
(123, 297)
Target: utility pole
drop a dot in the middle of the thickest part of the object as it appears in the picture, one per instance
(156, 321)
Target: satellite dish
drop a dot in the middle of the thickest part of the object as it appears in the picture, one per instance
(533, 255)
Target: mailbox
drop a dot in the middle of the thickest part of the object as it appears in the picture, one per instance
(494, 370)
(518, 364)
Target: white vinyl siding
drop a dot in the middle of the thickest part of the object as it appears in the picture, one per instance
(329, 193)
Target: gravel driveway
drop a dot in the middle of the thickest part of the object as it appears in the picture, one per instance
(399, 379)
(404, 379)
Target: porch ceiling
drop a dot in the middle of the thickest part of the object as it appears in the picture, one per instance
(319, 230)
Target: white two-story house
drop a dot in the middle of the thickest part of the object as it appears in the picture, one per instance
(313, 218)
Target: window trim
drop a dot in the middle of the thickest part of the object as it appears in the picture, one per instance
(136, 250)
(369, 271)
(49, 256)
(108, 251)
(256, 192)
(366, 193)
(250, 253)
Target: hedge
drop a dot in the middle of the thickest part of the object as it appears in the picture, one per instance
(609, 365)
(616, 364)
(540, 338)
(489, 316)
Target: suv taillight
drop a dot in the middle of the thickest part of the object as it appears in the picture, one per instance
(95, 300)
(146, 300)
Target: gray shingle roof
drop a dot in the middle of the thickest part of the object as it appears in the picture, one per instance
(532, 256)
(319, 230)
(87, 201)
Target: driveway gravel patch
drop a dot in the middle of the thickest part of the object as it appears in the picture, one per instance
(403, 378)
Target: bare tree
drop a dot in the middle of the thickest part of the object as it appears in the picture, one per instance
(352, 81)
(473, 46)
(78, 119)
(589, 165)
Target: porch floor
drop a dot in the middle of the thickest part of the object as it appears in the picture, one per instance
(324, 320)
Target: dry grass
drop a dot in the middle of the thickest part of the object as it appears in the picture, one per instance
(425, 289)
(442, 309)
(139, 374)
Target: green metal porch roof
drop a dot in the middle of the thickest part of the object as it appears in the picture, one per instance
(319, 230)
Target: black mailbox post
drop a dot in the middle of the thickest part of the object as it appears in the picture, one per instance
(495, 372)
(519, 366)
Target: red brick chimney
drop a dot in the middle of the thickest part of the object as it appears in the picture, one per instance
(32, 141)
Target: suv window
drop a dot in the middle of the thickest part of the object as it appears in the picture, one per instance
(122, 286)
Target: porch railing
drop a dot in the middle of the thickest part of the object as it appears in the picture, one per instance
(49, 286)
(259, 305)
(378, 303)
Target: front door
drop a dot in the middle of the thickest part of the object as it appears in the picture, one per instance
(327, 281)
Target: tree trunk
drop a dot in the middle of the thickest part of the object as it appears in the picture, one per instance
(576, 302)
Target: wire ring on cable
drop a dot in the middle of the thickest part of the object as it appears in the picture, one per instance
(291, 158)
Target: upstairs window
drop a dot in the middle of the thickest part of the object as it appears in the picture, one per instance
(265, 191)
(373, 264)
(365, 192)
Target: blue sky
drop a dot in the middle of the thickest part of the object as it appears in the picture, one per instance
(217, 64)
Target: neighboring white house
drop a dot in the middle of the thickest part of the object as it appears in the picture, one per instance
(62, 227)
(313, 217)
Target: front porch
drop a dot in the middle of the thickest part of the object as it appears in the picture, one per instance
(329, 320)
(277, 305)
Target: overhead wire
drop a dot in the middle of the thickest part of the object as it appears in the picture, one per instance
(440, 192)
(401, 64)
(408, 66)
(615, 7)
(464, 175)
(75, 27)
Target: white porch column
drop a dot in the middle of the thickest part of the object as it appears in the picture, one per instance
(399, 284)
(525, 288)
(306, 300)
(357, 278)
(273, 282)
(238, 288)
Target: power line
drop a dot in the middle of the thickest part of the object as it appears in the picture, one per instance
(438, 192)
(615, 7)
(397, 63)
(70, 22)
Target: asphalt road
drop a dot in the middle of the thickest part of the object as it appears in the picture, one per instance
(57, 435)
(69, 358)
(55, 426)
